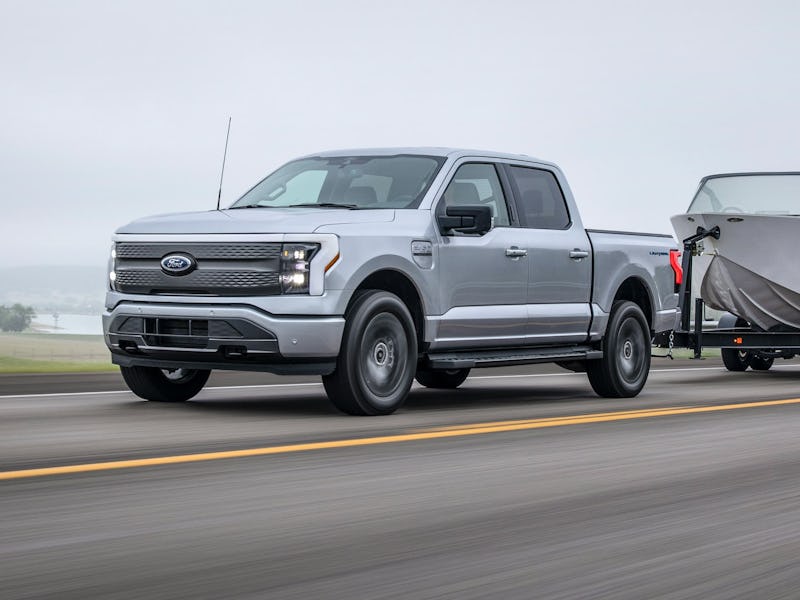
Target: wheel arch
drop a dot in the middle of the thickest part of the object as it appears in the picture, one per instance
(636, 290)
(401, 285)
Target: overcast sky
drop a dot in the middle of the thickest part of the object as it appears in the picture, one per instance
(115, 110)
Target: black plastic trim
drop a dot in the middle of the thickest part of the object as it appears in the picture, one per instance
(504, 357)
(216, 362)
(658, 235)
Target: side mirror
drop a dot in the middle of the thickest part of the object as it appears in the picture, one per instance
(466, 219)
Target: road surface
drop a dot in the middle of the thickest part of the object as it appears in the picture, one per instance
(522, 484)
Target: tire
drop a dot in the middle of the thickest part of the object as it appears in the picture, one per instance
(448, 379)
(378, 358)
(735, 360)
(623, 370)
(760, 363)
(163, 385)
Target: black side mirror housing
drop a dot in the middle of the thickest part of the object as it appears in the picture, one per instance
(466, 219)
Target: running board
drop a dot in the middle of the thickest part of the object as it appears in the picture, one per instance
(501, 358)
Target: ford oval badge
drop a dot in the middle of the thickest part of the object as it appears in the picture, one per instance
(178, 264)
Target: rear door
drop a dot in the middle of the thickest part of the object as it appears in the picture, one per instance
(559, 258)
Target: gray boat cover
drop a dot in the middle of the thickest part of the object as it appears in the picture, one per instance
(730, 287)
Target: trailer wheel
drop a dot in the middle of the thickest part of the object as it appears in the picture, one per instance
(761, 363)
(735, 360)
(623, 370)
(164, 385)
(378, 357)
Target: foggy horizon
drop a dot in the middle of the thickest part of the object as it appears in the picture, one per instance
(108, 119)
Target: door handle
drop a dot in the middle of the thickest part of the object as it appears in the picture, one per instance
(515, 252)
(578, 254)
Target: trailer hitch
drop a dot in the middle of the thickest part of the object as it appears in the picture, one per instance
(685, 291)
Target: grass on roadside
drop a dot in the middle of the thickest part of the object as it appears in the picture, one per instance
(54, 347)
(53, 353)
(10, 364)
(686, 353)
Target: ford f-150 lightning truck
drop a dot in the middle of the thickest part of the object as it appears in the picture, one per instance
(375, 267)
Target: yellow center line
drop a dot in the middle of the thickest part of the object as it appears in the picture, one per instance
(649, 411)
(460, 431)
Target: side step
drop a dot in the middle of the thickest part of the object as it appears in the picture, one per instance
(517, 356)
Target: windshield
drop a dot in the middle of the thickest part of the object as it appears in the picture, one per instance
(754, 194)
(346, 181)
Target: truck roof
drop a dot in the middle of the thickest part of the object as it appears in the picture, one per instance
(454, 153)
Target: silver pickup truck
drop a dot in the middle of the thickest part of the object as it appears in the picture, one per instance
(373, 267)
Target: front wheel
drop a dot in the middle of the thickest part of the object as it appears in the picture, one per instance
(623, 370)
(164, 385)
(448, 379)
(378, 357)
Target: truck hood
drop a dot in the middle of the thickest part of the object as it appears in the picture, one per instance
(255, 220)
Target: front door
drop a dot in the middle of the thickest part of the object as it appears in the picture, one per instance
(483, 279)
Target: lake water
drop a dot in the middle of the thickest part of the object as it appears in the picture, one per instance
(74, 324)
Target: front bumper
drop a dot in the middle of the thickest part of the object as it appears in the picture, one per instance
(220, 337)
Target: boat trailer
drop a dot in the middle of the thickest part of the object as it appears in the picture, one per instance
(736, 334)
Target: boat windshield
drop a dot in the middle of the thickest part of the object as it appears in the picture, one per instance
(758, 194)
(350, 182)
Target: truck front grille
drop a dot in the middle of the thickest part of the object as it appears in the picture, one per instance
(222, 269)
(201, 250)
(212, 283)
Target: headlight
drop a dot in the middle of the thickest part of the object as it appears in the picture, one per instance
(295, 261)
(112, 266)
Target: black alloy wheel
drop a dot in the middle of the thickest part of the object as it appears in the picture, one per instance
(378, 358)
(623, 370)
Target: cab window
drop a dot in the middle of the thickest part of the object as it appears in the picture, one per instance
(539, 199)
(477, 184)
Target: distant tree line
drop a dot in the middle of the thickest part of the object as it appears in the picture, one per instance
(16, 317)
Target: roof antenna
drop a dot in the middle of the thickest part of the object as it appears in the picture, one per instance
(224, 156)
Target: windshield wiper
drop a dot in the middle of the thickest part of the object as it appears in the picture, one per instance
(325, 205)
(306, 205)
(250, 206)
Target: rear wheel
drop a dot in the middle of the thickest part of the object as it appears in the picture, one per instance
(623, 370)
(448, 379)
(164, 385)
(761, 363)
(378, 357)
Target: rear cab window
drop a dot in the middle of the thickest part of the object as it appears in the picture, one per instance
(540, 201)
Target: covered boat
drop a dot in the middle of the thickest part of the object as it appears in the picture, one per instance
(754, 271)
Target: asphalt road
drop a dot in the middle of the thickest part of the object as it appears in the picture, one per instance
(520, 485)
